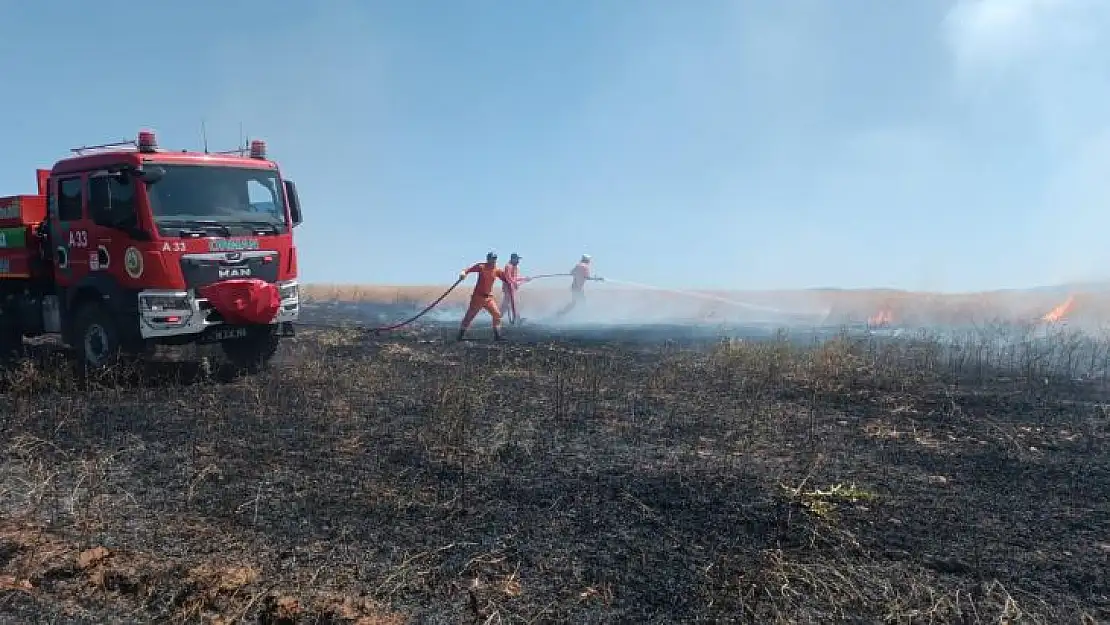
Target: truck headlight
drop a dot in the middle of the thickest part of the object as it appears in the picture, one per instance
(164, 302)
(288, 291)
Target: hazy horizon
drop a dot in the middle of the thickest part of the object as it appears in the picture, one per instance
(548, 286)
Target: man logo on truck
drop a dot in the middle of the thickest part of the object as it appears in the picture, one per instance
(234, 272)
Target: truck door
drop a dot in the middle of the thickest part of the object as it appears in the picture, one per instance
(113, 220)
(68, 236)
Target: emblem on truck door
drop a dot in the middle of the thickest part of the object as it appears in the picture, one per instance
(133, 262)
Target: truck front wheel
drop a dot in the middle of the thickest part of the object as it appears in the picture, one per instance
(96, 337)
(253, 352)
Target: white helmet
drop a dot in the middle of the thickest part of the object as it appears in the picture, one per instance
(585, 258)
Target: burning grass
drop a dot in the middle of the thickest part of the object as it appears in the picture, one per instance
(410, 479)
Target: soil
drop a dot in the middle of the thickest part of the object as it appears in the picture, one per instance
(408, 478)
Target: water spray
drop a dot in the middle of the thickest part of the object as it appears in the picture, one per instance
(686, 293)
(706, 296)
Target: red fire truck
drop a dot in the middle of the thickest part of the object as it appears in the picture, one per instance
(127, 245)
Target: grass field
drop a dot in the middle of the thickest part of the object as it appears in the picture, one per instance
(407, 478)
(879, 306)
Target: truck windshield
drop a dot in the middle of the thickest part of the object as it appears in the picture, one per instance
(232, 198)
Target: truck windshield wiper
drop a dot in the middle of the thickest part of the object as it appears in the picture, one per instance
(265, 226)
(183, 228)
(195, 227)
(210, 224)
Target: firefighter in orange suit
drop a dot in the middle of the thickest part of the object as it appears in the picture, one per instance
(482, 296)
(579, 276)
(510, 286)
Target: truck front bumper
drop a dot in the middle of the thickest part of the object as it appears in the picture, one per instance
(170, 314)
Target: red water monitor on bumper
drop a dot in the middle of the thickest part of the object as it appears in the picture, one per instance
(141, 246)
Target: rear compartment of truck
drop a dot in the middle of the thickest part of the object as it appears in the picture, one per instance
(20, 215)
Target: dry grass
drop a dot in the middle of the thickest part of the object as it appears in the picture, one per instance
(900, 307)
(543, 295)
(370, 293)
(410, 479)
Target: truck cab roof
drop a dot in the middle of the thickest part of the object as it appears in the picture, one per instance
(145, 150)
(104, 158)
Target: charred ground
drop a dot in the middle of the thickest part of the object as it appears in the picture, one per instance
(406, 478)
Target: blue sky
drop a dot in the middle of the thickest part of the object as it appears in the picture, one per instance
(924, 144)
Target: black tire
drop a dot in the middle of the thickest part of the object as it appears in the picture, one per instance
(252, 353)
(96, 338)
(11, 335)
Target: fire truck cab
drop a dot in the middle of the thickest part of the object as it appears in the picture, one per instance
(127, 245)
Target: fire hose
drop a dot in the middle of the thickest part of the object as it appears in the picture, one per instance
(438, 300)
(418, 315)
(429, 307)
(515, 317)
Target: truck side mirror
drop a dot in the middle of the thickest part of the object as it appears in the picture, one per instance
(294, 202)
(149, 175)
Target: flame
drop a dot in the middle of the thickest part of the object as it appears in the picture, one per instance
(884, 317)
(1061, 311)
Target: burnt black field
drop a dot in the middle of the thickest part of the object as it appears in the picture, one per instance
(651, 474)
